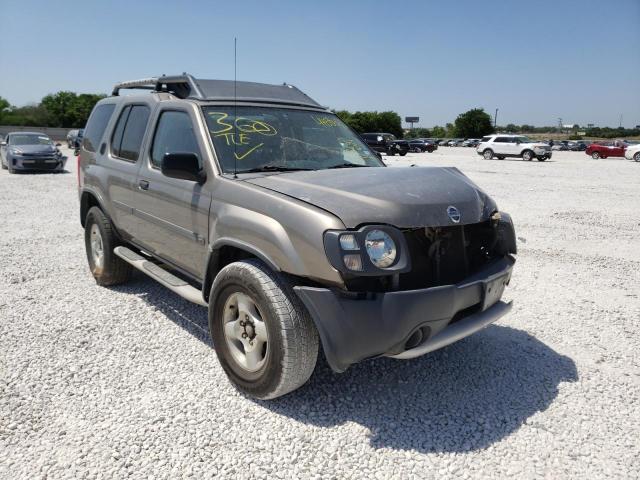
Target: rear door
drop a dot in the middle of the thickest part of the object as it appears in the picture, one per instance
(505, 146)
(121, 162)
(172, 214)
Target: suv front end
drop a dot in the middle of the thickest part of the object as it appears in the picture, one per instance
(410, 291)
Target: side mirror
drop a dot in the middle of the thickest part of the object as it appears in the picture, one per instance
(184, 166)
(3, 144)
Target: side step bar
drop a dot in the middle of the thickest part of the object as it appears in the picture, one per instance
(160, 275)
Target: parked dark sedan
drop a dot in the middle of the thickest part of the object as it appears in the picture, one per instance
(386, 143)
(422, 145)
(30, 151)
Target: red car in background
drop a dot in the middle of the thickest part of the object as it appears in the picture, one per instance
(606, 149)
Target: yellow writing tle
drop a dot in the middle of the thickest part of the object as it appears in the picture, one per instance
(246, 126)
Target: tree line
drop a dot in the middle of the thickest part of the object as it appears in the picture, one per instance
(70, 109)
(474, 123)
(61, 109)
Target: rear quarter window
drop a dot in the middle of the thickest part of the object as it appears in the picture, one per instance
(485, 139)
(96, 126)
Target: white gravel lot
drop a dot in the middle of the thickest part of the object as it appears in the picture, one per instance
(114, 382)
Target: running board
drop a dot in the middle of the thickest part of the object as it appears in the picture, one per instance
(160, 275)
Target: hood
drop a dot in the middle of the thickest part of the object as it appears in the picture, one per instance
(45, 149)
(403, 197)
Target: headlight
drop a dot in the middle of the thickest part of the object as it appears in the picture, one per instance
(381, 248)
(373, 250)
(16, 152)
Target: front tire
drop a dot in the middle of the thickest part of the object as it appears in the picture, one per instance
(542, 159)
(100, 240)
(487, 154)
(402, 154)
(595, 155)
(636, 157)
(527, 155)
(264, 338)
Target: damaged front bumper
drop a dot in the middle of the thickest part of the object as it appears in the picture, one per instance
(405, 324)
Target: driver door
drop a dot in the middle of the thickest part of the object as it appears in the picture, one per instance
(173, 214)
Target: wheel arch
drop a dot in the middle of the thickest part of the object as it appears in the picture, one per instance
(87, 200)
(225, 251)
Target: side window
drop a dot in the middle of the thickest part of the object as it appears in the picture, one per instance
(174, 134)
(502, 140)
(133, 132)
(485, 139)
(116, 139)
(96, 126)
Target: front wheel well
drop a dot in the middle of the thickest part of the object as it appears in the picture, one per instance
(219, 259)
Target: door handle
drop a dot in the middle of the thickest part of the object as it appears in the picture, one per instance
(143, 185)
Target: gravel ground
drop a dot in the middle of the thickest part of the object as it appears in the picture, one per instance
(109, 382)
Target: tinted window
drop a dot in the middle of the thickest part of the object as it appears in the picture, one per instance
(116, 139)
(504, 140)
(174, 134)
(485, 139)
(96, 126)
(134, 132)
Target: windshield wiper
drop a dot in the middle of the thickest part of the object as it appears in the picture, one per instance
(274, 168)
(347, 165)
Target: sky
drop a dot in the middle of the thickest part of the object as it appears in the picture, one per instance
(535, 61)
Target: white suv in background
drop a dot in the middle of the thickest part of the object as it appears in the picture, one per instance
(632, 153)
(502, 146)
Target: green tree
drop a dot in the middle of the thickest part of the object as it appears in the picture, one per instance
(61, 109)
(5, 106)
(527, 128)
(450, 130)
(362, 122)
(512, 128)
(474, 123)
(438, 132)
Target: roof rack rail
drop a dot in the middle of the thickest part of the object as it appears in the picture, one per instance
(182, 86)
(186, 86)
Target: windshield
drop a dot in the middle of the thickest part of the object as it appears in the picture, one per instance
(29, 139)
(277, 138)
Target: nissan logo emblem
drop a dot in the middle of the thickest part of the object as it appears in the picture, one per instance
(454, 214)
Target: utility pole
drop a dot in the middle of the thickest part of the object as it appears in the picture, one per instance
(495, 119)
(620, 125)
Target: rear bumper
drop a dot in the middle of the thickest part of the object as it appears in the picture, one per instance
(409, 323)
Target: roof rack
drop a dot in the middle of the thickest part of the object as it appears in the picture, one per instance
(182, 86)
(186, 86)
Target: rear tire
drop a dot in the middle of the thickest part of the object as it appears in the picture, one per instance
(528, 155)
(487, 154)
(595, 155)
(636, 157)
(402, 154)
(100, 240)
(542, 159)
(274, 320)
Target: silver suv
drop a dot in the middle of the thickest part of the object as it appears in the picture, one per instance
(502, 146)
(256, 202)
